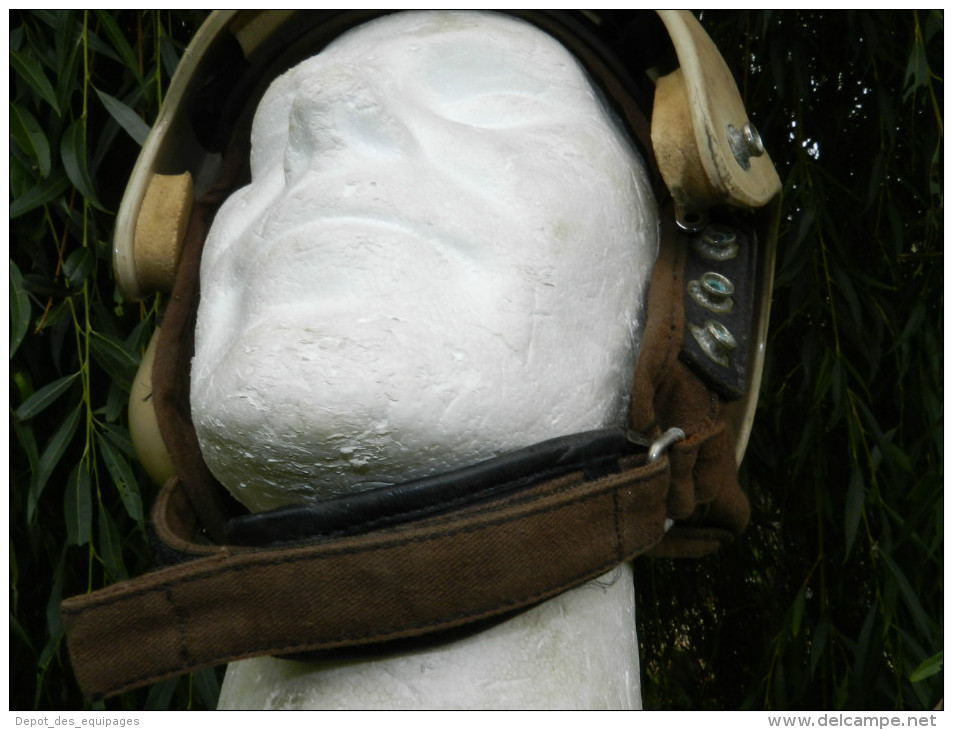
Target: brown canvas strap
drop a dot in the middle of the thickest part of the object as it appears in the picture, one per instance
(409, 581)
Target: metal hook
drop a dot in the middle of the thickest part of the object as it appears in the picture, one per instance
(663, 442)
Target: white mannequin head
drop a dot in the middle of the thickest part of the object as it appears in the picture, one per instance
(442, 256)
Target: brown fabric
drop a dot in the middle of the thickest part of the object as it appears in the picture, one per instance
(439, 574)
(704, 493)
(171, 368)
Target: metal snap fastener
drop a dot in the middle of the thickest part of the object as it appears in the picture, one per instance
(715, 340)
(717, 243)
(690, 221)
(713, 291)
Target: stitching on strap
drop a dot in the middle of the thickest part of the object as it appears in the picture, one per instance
(617, 523)
(395, 633)
(180, 620)
(331, 552)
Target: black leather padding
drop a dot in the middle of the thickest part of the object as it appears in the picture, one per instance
(596, 453)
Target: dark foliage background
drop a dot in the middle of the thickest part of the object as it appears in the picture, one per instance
(833, 597)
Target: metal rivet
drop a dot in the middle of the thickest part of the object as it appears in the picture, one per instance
(745, 144)
(752, 140)
(713, 291)
(717, 243)
(715, 341)
(691, 221)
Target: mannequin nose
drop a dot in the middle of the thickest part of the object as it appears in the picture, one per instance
(339, 110)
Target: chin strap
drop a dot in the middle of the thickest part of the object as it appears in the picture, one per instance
(447, 571)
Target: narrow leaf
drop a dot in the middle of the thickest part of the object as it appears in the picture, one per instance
(124, 480)
(160, 694)
(17, 631)
(928, 668)
(119, 436)
(49, 649)
(126, 117)
(78, 506)
(118, 39)
(54, 451)
(854, 509)
(19, 309)
(110, 546)
(27, 442)
(170, 57)
(68, 35)
(114, 357)
(48, 190)
(918, 70)
(849, 293)
(30, 70)
(78, 265)
(206, 686)
(797, 612)
(45, 396)
(54, 621)
(915, 322)
(28, 134)
(100, 47)
(22, 176)
(898, 457)
(909, 595)
(14, 577)
(117, 403)
(73, 152)
(819, 643)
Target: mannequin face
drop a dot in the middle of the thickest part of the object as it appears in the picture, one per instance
(441, 256)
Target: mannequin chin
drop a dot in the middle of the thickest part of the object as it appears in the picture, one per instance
(442, 256)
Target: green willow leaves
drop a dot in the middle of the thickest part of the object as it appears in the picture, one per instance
(85, 88)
